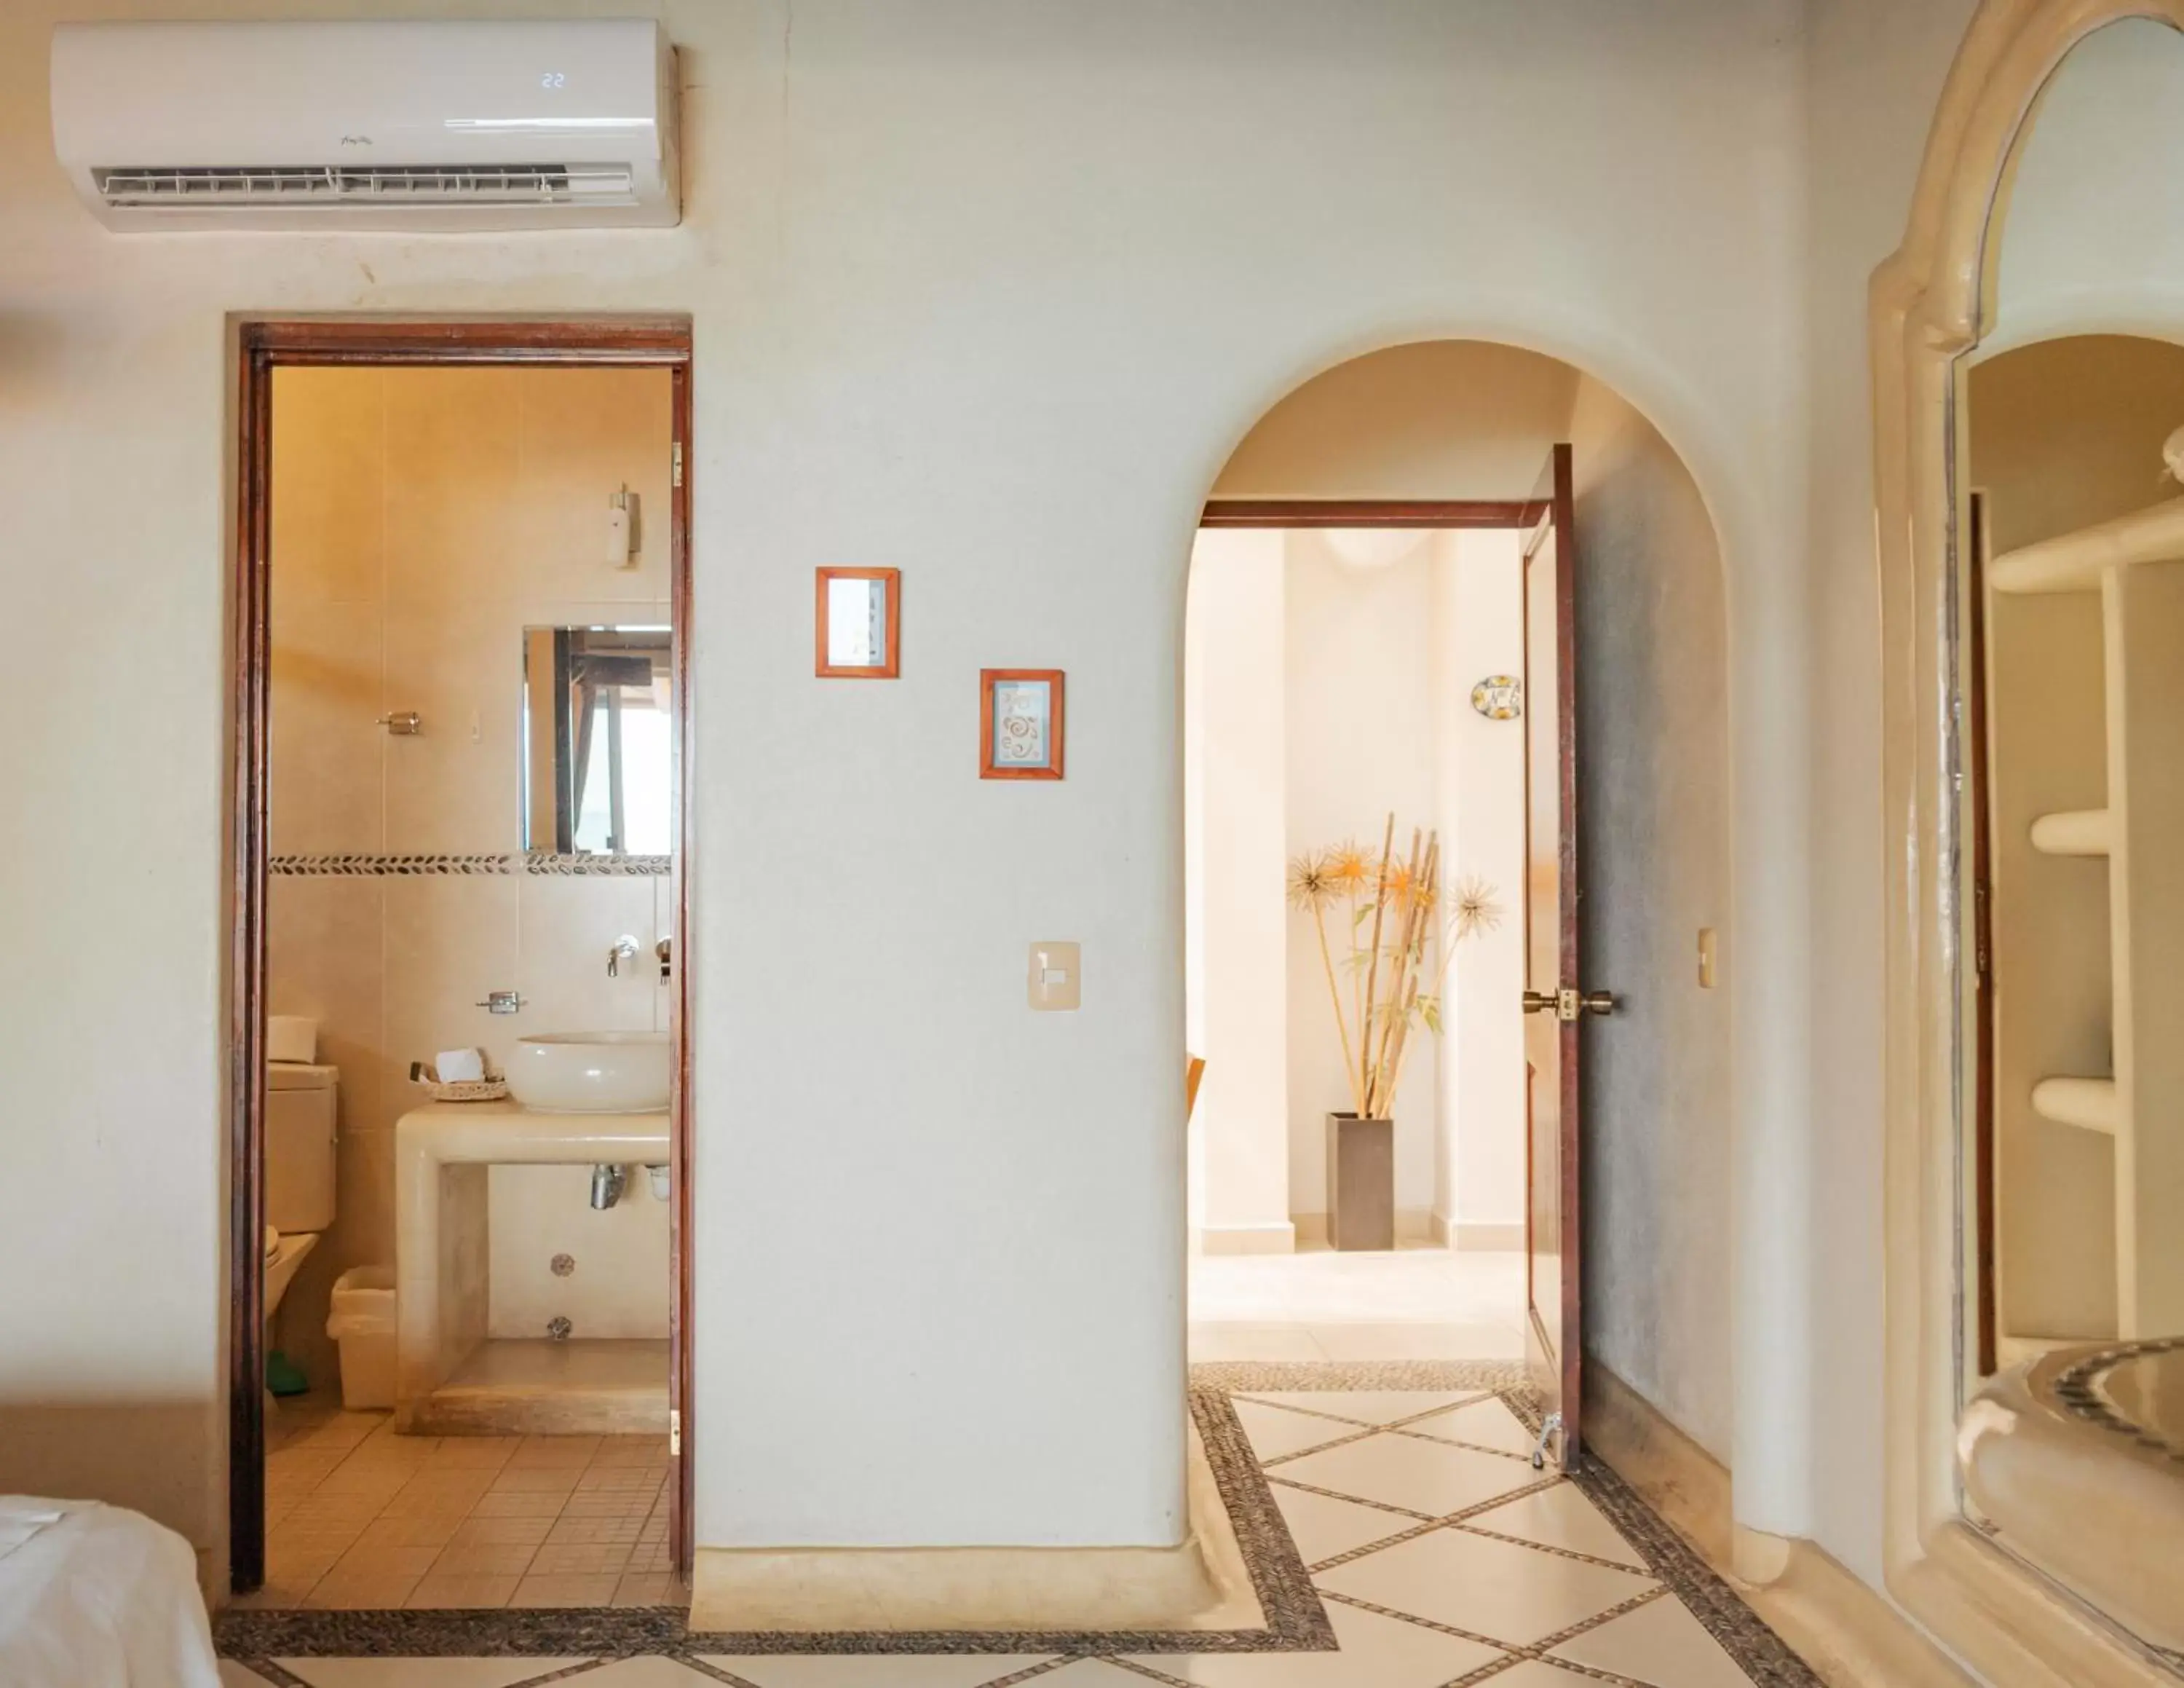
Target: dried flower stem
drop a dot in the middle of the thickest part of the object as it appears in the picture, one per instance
(1341, 1018)
(1372, 972)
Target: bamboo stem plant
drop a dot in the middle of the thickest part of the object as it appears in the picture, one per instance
(1390, 907)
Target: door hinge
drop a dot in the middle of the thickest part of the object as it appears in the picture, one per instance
(678, 462)
(675, 1433)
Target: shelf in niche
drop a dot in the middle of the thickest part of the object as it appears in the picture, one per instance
(2074, 563)
(2075, 832)
(2090, 1103)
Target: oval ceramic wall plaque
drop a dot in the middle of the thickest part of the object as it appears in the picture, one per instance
(1499, 697)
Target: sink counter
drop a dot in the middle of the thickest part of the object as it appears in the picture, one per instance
(503, 1131)
(442, 1252)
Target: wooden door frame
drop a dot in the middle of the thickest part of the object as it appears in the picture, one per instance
(262, 347)
(1364, 512)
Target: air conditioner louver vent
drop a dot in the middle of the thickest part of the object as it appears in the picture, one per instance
(353, 185)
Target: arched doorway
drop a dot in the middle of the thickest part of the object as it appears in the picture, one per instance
(1329, 676)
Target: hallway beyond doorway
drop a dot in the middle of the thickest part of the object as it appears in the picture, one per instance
(1418, 1302)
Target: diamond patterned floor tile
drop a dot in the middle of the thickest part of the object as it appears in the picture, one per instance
(1366, 1406)
(1321, 1527)
(1419, 1476)
(867, 1670)
(1496, 1590)
(424, 1673)
(1275, 1431)
(646, 1673)
(1561, 1516)
(1376, 1653)
(1660, 1643)
(1487, 1423)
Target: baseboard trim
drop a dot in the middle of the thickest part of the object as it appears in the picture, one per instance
(1412, 1225)
(1272, 1238)
(1851, 1634)
(1202, 1583)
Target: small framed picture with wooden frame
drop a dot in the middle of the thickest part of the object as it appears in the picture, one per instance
(859, 625)
(1020, 724)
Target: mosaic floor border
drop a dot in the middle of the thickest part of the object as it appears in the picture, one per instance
(1297, 1621)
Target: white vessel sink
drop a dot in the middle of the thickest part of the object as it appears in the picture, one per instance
(590, 1072)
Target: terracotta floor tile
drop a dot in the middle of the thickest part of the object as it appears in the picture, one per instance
(462, 1592)
(566, 1590)
(588, 1559)
(431, 1529)
(631, 1451)
(466, 1452)
(383, 1564)
(476, 1532)
(360, 1593)
(519, 1504)
(555, 1450)
(538, 1479)
(656, 1588)
(635, 1479)
(484, 1559)
(577, 1532)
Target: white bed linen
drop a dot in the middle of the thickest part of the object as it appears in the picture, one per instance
(98, 1597)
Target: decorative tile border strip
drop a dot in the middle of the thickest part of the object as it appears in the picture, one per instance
(600, 867)
(1759, 1652)
(544, 863)
(1297, 1620)
(375, 867)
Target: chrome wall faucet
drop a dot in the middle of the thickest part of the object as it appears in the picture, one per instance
(625, 949)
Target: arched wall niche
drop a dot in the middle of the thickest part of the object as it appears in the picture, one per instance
(1930, 304)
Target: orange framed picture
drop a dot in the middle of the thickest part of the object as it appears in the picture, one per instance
(858, 626)
(1020, 724)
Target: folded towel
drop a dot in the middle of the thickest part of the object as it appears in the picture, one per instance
(455, 1066)
(291, 1038)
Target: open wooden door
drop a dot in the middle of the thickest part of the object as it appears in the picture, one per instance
(1555, 1005)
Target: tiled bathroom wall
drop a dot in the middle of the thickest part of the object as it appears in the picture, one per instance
(422, 519)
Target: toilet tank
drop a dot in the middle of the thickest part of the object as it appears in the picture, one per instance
(300, 1103)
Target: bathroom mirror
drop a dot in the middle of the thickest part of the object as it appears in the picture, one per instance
(2067, 429)
(598, 740)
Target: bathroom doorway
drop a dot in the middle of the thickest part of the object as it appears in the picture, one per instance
(459, 1070)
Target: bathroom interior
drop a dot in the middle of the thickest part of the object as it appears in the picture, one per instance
(2071, 526)
(468, 929)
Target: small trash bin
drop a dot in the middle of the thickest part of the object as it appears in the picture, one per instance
(363, 1324)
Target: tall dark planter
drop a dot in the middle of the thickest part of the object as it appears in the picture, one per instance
(1361, 1182)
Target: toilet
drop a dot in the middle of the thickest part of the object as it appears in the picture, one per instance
(300, 1108)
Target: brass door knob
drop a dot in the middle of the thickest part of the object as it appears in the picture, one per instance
(1568, 1004)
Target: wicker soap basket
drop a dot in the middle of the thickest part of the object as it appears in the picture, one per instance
(490, 1088)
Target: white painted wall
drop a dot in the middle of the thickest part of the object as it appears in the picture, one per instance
(961, 273)
(1384, 636)
(1236, 773)
(1478, 613)
(1359, 702)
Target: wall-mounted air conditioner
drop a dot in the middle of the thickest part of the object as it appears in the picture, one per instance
(408, 125)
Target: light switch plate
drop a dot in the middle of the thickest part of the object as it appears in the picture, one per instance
(1055, 978)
